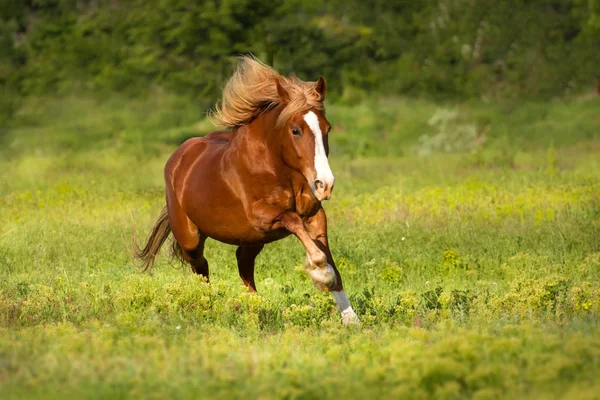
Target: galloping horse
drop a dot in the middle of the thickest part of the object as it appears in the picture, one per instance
(256, 182)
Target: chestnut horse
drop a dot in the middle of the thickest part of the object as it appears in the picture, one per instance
(256, 182)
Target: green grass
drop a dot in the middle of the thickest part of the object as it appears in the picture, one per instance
(476, 272)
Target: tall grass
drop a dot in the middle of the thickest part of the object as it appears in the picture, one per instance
(475, 270)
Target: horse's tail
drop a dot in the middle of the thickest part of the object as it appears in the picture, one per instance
(156, 239)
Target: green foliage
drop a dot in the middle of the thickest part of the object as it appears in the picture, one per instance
(489, 49)
(473, 279)
(452, 135)
(450, 259)
(391, 272)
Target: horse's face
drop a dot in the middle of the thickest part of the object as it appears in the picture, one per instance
(305, 144)
(306, 147)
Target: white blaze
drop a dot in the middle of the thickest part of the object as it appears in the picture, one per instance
(322, 169)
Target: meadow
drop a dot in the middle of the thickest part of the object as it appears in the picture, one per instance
(467, 235)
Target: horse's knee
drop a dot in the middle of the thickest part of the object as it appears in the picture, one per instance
(323, 277)
(318, 259)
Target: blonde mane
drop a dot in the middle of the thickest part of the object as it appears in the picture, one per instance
(252, 90)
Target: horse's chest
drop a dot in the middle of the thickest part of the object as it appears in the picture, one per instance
(305, 204)
(281, 198)
(298, 201)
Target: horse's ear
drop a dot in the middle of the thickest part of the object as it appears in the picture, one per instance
(321, 87)
(283, 94)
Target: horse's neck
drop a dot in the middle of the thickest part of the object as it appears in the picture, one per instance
(257, 142)
(263, 127)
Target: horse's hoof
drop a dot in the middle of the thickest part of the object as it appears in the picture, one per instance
(349, 317)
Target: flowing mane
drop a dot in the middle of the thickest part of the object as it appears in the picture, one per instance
(251, 91)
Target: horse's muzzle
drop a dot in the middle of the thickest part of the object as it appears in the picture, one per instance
(322, 189)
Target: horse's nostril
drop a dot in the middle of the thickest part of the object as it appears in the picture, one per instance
(319, 185)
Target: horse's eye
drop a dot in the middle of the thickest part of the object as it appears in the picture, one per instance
(296, 131)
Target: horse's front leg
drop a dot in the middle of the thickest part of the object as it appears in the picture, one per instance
(317, 229)
(313, 235)
(269, 218)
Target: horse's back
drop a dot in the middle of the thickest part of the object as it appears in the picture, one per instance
(193, 149)
(198, 144)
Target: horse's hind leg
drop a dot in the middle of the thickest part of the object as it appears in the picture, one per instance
(189, 238)
(245, 257)
(196, 258)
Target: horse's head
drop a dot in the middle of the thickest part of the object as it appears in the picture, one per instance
(305, 144)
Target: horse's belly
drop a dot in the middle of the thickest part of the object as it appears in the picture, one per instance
(219, 214)
(248, 238)
(233, 228)
(226, 222)
(220, 220)
(228, 229)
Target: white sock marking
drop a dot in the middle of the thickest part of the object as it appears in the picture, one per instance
(341, 300)
(348, 314)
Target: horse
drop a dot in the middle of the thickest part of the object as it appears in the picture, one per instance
(259, 180)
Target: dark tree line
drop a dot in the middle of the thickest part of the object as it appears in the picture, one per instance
(509, 48)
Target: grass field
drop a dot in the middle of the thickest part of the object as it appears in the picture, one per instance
(468, 237)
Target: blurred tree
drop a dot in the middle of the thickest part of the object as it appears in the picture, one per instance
(512, 48)
(590, 12)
